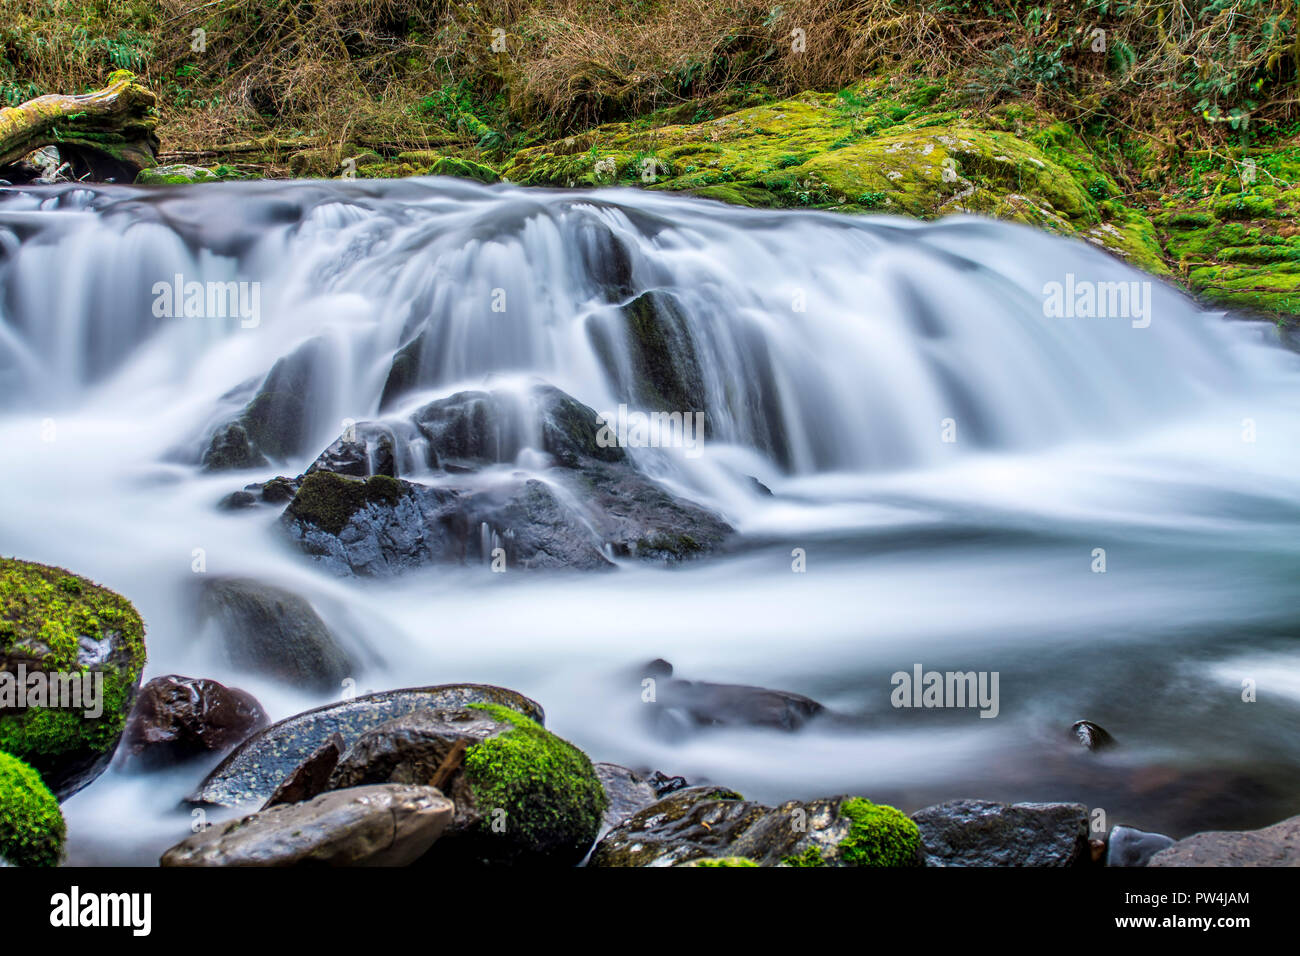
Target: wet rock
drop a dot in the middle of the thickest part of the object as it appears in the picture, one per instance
(237, 501)
(637, 518)
(664, 784)
(626, 790)
(56, 622)
(178, 718)
(311, 777)
(592, 504)
(663, 354)
(253, 771)
(1129, 846)
(712, 822)
(230, 449)
(279, 490)
(1091, 736)
(384, 526)
(738, 705)
(278, 420)
(1278, 845)
(533, 528)
(365, 450)
(386, 825)
(522, 795)
(709, 704)
(272, 632)
(983, 833)
(405, 372)
(691, 823)
(377, 527)
(831, 831)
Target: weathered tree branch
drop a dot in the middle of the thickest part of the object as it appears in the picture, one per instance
(109, 133)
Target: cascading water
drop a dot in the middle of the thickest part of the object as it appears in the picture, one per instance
(947, 458)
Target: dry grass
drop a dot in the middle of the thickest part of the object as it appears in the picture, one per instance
(410, 71)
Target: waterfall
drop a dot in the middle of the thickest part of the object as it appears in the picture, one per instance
(946, 422)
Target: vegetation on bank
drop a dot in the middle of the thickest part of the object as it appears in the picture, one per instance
(1166, 131)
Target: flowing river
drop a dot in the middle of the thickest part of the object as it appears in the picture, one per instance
(1102, 509)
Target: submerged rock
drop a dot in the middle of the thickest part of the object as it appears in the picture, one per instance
(983, 833)
(1091, 736)
(387, 825)
(1129, 846)
(258, 766)
(278, 420)
(709, 704)
(523, 795)
(273, 632)
(178, 718)
(62, 624)
(1278, 845)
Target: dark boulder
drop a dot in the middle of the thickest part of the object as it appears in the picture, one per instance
(982, 833)
(178, 718)
(259, 765)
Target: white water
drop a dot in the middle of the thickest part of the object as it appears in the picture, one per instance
(1071, 435)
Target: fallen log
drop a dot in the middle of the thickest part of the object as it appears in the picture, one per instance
(109, 134)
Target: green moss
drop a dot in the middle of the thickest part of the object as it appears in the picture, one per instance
(329, 501)
(31, 825)
(547, 787)
(811, 856)
(48, 609)
(45, 612)
(879, 836)
(725, 861)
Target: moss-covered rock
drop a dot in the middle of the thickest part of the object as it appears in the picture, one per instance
(703, 825)
(31, 824)
(58, 623)
(551, 799)
(523, 796)
(176, 174)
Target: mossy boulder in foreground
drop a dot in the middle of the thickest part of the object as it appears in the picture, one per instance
(523, 795)
(31, 825)
(62, 627)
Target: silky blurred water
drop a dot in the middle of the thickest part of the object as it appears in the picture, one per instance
(835, 355)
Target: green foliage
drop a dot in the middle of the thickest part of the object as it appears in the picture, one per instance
(31, 825)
